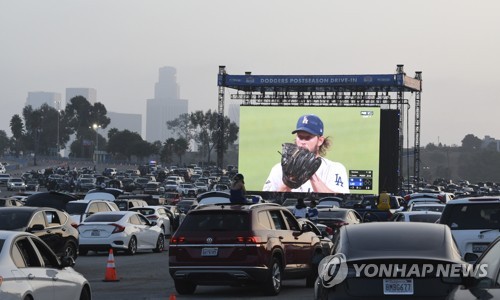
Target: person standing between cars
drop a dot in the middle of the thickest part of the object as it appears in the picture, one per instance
(384, 201)
(300, 209)
(237, 190)
(331, 177)
(312, 213)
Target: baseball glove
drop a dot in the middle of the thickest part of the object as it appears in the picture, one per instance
(298, 165)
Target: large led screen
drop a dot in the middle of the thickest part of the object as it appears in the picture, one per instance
(354, 133)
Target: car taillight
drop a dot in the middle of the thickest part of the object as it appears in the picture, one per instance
(118, 228)
(329, 230)
(441, 198)
(341, 223)
(177, 240)
(407, 197)
(74, 225)
(249, 239)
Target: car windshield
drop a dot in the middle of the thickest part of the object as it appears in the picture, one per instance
(75, 208)
(331, 214)
(215, 221)
(144, 211)
(10, 220)
(472, 216)
(428, 208)
(103, 218)
(430, 218)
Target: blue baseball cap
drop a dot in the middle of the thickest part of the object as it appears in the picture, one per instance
(311, 124)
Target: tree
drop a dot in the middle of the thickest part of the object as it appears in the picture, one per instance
(206, 126)
(167, 151)
(182, 126)
(17, 129)
(4, 142)
(79, 116)
(471, 142)
(180, 148)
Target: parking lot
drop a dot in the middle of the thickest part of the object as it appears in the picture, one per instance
(145, 276)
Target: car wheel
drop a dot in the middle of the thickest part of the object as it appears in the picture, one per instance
(272, 285)
(184, 287)
(70, 250)
(28, 297)
(160, 244)
(85, 294)
(311, 277)
(132, 246)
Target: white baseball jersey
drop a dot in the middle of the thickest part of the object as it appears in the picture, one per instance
(333, 174)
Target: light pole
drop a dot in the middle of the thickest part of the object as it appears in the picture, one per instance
(96, 127)
(58, 107)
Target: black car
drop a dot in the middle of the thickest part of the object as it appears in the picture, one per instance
(53, 226)
(389, 260)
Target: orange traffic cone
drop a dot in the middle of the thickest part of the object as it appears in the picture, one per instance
(172, 297)
(110, 268)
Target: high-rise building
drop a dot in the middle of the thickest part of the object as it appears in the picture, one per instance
(36, 99)
(123, 121)
(88, 93)
(165, 106)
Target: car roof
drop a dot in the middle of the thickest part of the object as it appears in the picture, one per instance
(398, 240)
(419, 212)
(472, 200)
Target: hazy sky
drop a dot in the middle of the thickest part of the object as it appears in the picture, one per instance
(118, 46)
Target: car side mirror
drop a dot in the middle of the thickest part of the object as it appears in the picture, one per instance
(470, 257)
(67, 261)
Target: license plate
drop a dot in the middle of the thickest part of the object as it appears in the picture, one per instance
(95, 233)
(398, 286)
(479, 248)
(209, 251)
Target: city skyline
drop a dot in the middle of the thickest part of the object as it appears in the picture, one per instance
(117, 47)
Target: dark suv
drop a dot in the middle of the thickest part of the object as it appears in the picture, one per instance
(224, 244)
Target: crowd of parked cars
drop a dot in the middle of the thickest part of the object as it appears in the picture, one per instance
(211, 241)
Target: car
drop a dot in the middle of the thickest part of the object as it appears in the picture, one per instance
(423, 200)
(127, 204)
(186, 205)
(213, 198)
(323, 234)
(32, 185)
(127, 231)
(29, 269)
(474, 222)
(174, 214)
(335, 218)
(85, 184)
(10, 202)
(416, 216)
(424, 206)
(4, 178)
(487, 285)
(158, 214)
(128, 184)
(172, 198)
(388, 260)
(153, 188)
(329, 202)
(443, 197)
(171, 186)
(53, 226)
(79, 210)
(187, 190)
(239, 244)
(140, 182)
(16, 184)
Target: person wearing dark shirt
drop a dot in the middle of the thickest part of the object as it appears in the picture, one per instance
(237, 190)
